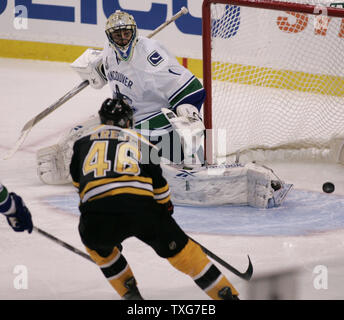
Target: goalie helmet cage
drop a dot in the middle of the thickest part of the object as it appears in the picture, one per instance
(274, 76)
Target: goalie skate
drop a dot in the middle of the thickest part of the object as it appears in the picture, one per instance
(235, 184)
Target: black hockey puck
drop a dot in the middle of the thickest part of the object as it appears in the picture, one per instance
(328, 187)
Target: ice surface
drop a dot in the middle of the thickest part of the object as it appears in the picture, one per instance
(305, 232)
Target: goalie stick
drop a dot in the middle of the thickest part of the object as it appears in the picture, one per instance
(30, 124)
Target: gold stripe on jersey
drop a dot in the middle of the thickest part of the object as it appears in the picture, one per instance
(76, 184)
(165, 200)
(162, 195)
(125, 178)
(161, 190)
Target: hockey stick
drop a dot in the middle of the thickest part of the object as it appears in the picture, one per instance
(246, 275)
(63, 244)
(29, 125)
(243, 275)
(181, 12)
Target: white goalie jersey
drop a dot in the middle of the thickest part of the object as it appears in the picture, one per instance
(153, 79)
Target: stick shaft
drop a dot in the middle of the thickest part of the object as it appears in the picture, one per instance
(182, 11)
(29, 125)
(63, 244)
(70, 94)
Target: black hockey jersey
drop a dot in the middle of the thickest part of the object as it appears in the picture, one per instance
(111, 161)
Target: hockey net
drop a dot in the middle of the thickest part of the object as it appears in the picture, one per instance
(274, 76)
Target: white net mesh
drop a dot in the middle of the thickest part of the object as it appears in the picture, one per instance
(278, 78)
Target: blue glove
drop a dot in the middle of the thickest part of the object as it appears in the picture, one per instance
(21, 219)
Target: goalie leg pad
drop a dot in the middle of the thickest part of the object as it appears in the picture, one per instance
(234, 184)
(53, 161)
(52, 165)
(258, 186)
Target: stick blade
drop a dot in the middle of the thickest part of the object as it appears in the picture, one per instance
(248, 274)
(17, 145)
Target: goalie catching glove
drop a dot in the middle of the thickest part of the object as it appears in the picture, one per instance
(90, 67)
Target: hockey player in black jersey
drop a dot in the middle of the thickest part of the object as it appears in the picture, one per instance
(124, 194)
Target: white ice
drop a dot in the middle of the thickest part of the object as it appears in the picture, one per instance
(305, 234)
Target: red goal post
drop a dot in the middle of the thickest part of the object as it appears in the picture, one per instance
(303, 8)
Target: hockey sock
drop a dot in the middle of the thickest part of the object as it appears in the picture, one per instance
(115, 269)
(195, 263)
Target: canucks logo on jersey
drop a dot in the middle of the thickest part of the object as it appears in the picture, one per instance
(155, 58)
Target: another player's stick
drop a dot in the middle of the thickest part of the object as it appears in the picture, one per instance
(29, 125)
(63, 244)
(243, 275)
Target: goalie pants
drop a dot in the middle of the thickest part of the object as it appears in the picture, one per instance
(105, 223)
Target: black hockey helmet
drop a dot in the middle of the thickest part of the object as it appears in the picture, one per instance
(116, 112)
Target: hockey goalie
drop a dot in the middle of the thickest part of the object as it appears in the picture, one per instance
(166, 99)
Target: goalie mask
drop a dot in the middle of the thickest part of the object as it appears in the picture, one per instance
(117, 113)
(121, 31)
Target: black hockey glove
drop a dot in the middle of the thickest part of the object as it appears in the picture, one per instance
(21, 219)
